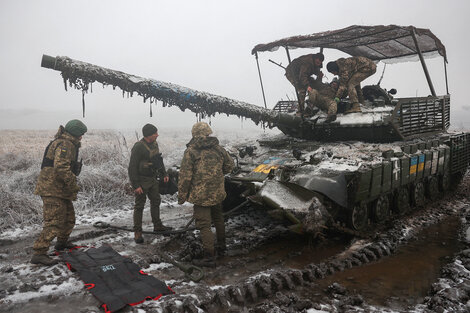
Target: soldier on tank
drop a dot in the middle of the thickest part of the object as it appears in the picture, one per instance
(145, 169)
(322, 96)
(351, 72)
(201, 182)
(299, 71)
(57, 186)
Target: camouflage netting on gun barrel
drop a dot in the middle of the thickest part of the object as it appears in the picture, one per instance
(81, 75)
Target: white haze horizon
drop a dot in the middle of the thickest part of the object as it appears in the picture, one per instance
(203, 45)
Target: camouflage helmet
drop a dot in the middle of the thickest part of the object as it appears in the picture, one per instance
(332, 67)
(201, 129)
(75, 128)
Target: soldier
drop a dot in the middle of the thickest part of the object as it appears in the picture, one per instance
(298, 72)
(351, 72)
(201, 182)
(322, 96)
(145, 168)
(57, 186)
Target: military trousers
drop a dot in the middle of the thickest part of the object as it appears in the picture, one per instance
(204, 216)
(322, 102)
(59, 220)
(151, 192)
(299, 89)
(354, 83)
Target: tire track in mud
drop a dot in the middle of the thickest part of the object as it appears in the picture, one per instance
(272, 284)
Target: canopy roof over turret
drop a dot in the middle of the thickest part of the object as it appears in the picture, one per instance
(388, 43)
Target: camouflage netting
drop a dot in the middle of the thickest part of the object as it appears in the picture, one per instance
(81, 75)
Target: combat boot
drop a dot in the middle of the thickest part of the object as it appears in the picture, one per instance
(160, 227)
(138, 237)
(43, 259)
(207, 261)
(60, 245)
(356, 107)
(220, 249)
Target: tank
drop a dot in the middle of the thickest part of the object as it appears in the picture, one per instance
(349, 174)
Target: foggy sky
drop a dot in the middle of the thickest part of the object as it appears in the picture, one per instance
(204, 45)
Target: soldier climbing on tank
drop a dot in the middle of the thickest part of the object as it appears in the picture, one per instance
(322, 96)
(351, 72)
(299, 71)
(57, 186)
(145, 169)
(201, 182)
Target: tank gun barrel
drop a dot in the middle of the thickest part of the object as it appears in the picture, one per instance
(81, 75)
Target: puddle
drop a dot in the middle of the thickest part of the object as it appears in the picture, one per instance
(405, 277)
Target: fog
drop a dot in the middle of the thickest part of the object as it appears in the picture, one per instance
(204, 45)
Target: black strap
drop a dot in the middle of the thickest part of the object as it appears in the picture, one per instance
(46, 162)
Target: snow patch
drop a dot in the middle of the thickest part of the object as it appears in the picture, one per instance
(72, 285)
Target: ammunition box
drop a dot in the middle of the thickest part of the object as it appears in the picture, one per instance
(376, 180)
(413, 167)
(428, 163)
(420, 170)
(363, 184)
(386, 177)
(396, 173)
(405, 170)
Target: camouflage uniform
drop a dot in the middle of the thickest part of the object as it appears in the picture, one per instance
(57, 185)
(322, 96)
(298, 73)
(201, 182)
(351, 72)
(142, 174)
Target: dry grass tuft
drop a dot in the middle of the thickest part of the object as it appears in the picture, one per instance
(103, 181)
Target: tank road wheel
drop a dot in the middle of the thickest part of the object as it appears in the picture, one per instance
(402, 200)
(359, 216)
(432, 188)
(444, 182)
(418, 194)
(381, 209)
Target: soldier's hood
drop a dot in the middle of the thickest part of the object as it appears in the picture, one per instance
(62, 134)
(203, 142)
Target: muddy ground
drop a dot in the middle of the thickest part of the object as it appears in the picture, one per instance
(416, 263)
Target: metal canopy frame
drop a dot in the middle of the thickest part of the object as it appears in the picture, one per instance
(387, 43)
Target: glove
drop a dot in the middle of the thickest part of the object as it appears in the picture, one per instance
(337, 100)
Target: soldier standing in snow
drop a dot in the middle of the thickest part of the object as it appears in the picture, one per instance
(201, 182)
(351, 72)
(57, 186)
(145, 167)
(298, 73)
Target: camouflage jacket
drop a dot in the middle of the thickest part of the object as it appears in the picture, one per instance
(57, 179)
(142, 173)
(302, 68)
(347, 68)
(324, 89)
(201, 176)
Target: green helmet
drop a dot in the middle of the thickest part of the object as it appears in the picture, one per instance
(201, 129)
(75, 128)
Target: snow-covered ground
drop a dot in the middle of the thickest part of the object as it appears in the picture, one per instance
(105, 197)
